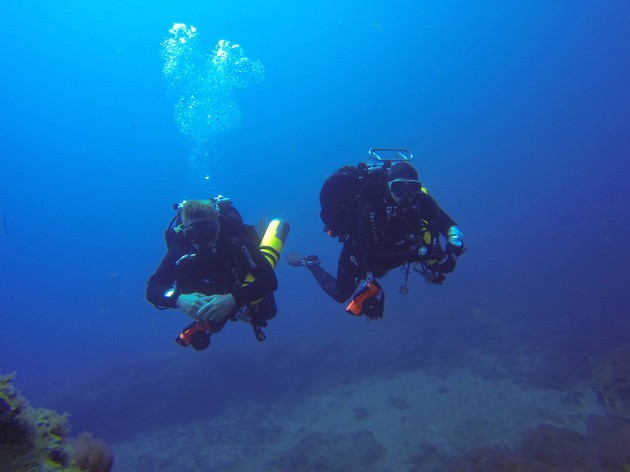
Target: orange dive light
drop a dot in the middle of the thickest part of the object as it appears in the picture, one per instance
(370, 290)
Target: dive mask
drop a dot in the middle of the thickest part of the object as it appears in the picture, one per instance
(203, 232)
(404, 189)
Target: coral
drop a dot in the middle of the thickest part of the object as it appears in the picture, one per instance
(91, 454)
(13, 431)
(11, 402)
(35, 438)
(49, 429)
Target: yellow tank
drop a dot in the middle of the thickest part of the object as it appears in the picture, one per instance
(273, 240)
(271, 245)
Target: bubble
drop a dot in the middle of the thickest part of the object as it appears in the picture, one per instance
(203, 84)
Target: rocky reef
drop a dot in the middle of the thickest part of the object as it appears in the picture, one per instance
(604, 447)
(611, 382)
(37, 438)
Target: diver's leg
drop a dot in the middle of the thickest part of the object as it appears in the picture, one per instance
(340, 288)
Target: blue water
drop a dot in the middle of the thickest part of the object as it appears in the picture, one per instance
(518, 115)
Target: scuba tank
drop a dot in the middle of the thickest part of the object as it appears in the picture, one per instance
(271, 245)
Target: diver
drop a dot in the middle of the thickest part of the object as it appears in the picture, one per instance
(210, 254)
(388, 221)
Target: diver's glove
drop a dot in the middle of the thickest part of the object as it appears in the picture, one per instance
(455, 244)
(297, 260)
(448, 264)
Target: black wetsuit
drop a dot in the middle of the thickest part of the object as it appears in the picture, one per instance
(218, 271)
(385, 236)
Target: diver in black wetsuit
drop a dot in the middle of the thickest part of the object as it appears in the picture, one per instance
(203, 272)
(397, 223)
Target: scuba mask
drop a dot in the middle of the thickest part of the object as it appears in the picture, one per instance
(204, 233)
(404, 190)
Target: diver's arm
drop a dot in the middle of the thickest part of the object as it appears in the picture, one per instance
(433, 213)
(265, 280)
(445, 222)
(161, 281)
(445, 225)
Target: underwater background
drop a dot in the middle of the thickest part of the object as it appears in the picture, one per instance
(518, 117)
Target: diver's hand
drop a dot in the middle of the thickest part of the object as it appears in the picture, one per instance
(456, 250)
(216, 307)
(190, 303)
(455, 244)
